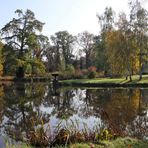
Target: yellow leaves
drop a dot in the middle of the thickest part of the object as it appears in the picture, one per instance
(113, 51)
(1, 45)
(135, 100)
(1, 69)
(121, 52)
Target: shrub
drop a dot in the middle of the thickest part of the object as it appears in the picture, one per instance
(92, 68)
(70, 69)
(69, 73)
(79, 74)
(92, 72)
(28, 69)
(85, 72)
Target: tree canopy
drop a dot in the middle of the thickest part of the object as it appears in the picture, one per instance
(120, 48)
(23, 39)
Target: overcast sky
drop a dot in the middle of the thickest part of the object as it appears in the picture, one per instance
(74, 16)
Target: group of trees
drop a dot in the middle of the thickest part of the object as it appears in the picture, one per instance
(120, 48)
(124, 41)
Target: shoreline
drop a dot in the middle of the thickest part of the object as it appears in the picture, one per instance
(118, 142)
(26, 79)
(106, 82)
(76, 84)
(97, 82)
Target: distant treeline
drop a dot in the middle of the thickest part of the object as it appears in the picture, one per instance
(120, 49)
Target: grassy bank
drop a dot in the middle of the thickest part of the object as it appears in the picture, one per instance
(108, 82)
(118, 143)
(68, 136)
(25, 79)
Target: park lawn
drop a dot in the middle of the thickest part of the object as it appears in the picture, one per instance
(118, 143)
(108, 80)
(126, 142)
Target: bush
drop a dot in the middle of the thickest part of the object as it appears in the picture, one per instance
(79, 74)
(92, 68)
(28, 69)
(92, 72)
(70, 69)
(69, 73)
(85, 72)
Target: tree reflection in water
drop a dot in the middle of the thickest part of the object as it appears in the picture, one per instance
(22, 105)
(124, 110)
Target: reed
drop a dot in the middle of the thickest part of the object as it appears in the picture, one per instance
(66, 133)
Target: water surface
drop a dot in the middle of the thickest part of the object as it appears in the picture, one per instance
(23, 103)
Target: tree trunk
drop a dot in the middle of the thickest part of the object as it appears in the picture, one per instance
(140, 67)
(129, 71)
(87, 61)
(130, 78)
(140, 74)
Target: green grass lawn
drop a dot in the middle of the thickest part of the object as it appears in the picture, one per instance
(118, 143)
(108, 80)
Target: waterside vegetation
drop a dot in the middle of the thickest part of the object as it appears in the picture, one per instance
(120, 49)
(68, 136)
(108, 82)
(116, 57)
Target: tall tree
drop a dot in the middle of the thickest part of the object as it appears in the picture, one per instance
(100, 58)
(51, 58)
(139, 25)
(63, 41)
(20, 32)
(22, 35)
(106, 22)
(9, 60)
(86, 43)
(120, 48)
(43, 44)
(120, 53)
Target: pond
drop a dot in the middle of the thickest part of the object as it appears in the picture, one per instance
(23, 105)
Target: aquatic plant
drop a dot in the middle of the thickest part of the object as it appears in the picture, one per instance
(66, 133)
(39, 136)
